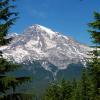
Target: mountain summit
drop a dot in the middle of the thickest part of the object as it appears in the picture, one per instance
(38, 43)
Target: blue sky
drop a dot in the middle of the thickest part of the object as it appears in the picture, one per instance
(69, 17)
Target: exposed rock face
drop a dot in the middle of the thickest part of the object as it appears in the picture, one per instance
(40, 43)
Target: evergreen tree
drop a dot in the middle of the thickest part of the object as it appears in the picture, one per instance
(52, 92)
(95, 33)
(7, 18)
(77, 95)
(75, 90)
(95, 61)
(86, 86)
(8, 82)
(59, 91)
(65, 90)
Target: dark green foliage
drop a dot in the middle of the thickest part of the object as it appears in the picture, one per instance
(18, 96)
(7, 66)
(71, 90)
(59, 91)
(9, 83)
(52, 93)
(66, 90)
(95, 33)
(87, 92)
(75, 95)
(7, 19)
(94, 63)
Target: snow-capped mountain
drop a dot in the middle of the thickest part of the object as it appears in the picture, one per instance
(11, 35)
(42, 44)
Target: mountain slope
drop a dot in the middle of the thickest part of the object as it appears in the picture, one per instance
(46, 55)
(42, 44)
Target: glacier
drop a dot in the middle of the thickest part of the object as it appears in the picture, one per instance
(43, 44)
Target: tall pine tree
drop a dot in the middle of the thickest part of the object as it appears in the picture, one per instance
(86, 90)
(65, 90)
(59, 91)
(95, 61)
(52, 92)
(7, 19)
(8, 83)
